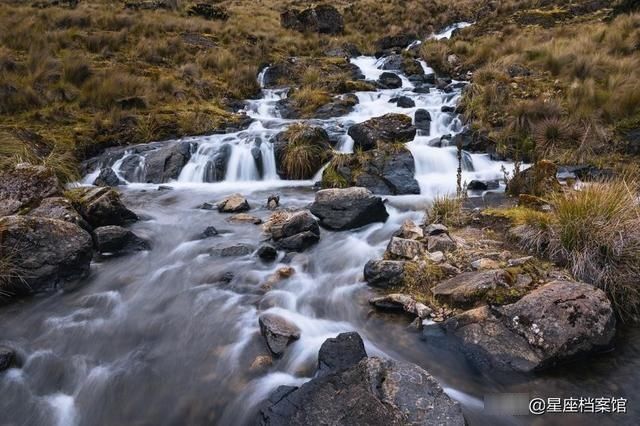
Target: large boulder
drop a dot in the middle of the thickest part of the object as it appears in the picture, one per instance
(294, 232)
(60, 208)
(385, 171)
(300, 151)
(323, 19)
(556, 322)
(389, 128)
(395, 41)
(403, 248)
(370, 391)
(118, 240)
(342, 209)
(472, 288)
(7, 358)
(389, 80)
(25, 186)
(166, 163)
(537, 180)
(102, 207)
(44, 253)
(234, 203)
(278, 332)
(384, 273)
(422, 120)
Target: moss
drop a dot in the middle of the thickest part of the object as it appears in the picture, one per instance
(418, 279)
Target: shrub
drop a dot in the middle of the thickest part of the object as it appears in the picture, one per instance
(595, 232)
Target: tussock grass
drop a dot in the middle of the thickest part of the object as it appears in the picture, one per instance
(595, 232)
(304, 153)
(447, 210)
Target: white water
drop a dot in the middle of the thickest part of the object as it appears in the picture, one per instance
(164, 321)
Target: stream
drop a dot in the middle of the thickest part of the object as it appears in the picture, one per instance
(169, 336)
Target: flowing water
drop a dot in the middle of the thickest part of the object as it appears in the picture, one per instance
(170, 336)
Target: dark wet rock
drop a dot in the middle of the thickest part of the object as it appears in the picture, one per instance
(389, 128)
(233, 250)
(206, 206)
(278, 332)
(395, 41)
(256, 153)
(402, 248)
(384, 273)
(234, 203)
(165, 188)
(44, 253)
(402, 302)
(267, 252)
(102, 207)
(586, 173)
(118, 240)
(216, 169)
(403, 102)
(392, 63)
(209, 11)
(554, 323)
(62, 209)
(341, 105)
(210, 231)
(343, 209)
(323, 19)
(108, 177)
(389, 80)
(340, 352)
(273, 202)
(479, 185)
(373, 392)
(7, 358)
(473, 141)
(448, 109)
(299, 242)
(166, 163)
(25, 186)
(312, 136)
(382, 171)
(296, 232)
(422, 120)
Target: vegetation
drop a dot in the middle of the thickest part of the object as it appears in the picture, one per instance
(305, 152)
(447, 210)
(594, 232)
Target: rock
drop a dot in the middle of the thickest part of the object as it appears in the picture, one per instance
(278, 332)
(405, 102)
(395, 41)
(25, 186)
(261, 362)
(555, 322)
(273, 202)
(62, 209)
(441, 242)
(389, 80)
(232, 250)
(436, 256)
(385, 171)
(316, 141)
(401, 248)
(323, 19)
(102, 207)
(404, 302)
(471, 288)
(44, 253)
(384, 273)
(537, 180)
(341, 105)
(209, 231)
(346, 50)
(166, 163)
(294, 232)
(209, 11)
(436, 229)
(234, 203)
(389, 128)
(108, 177)
(422, 120)
(216, 169)
(267, 252)
(409, 230)
(343, 209)
(299, 242)
(118, 240)
(484, 264)
(8, 358)
(340, 352)
(245, 218)
(373, 392)
(280, 274)
(520, 261)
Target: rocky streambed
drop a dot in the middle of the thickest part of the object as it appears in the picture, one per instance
(213, 287)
